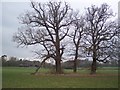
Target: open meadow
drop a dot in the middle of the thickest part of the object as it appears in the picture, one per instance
(20, 77)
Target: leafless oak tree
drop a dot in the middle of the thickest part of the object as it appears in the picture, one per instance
(76, 34)
(100, 30)
(47, 25)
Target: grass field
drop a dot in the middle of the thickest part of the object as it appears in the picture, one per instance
(20, 77)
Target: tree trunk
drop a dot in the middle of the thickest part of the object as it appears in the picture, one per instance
(93, 67)
(58, 60)
(58, 56)
(58, 67)
(75, 62)
(75, 66)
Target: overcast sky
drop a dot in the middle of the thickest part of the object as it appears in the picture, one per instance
(9, 23)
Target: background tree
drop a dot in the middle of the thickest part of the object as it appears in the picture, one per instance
(118, 42)
(3, 59)
(114, 50)
(100, 30)
(47, 25)
(12, 61)
(76, 35)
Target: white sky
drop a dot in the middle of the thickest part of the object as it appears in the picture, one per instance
(11, 9)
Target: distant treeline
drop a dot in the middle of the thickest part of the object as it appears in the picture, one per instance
(87, 64)
(14, 62)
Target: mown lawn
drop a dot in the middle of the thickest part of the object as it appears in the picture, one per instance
(20, 77)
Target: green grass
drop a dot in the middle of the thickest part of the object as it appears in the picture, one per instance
(20, 77)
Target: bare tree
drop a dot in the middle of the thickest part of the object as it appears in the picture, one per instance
(47, 25)
(3, 58)
(118, 41)
(76, 35)
(114, 50)
(100, 30)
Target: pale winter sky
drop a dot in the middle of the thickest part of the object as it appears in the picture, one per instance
(11, 9)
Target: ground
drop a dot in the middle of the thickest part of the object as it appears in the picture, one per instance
(20, 77)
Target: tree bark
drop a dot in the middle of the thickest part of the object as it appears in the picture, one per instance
(58, 67)
(93, 67)
(75, 66)
(58, 55)
(75, 61)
